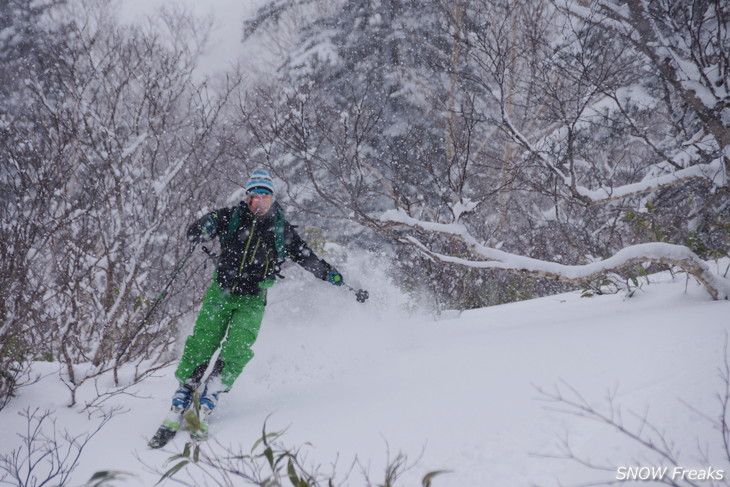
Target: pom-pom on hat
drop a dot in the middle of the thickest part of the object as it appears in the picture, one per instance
(260, 182)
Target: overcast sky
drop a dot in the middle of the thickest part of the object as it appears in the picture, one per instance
(225, 44)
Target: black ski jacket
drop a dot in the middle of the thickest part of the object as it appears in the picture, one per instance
(248, 254)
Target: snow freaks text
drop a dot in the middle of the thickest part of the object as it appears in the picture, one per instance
(669, 473)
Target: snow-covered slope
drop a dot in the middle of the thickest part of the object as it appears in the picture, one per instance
(461, 393)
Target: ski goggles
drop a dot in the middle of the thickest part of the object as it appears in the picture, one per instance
(259, 201)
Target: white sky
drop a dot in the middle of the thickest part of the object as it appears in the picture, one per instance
(225, 47)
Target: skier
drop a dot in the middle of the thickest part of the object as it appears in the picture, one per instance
(255, 239)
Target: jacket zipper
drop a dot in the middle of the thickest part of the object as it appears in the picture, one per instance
(245, 253)
(266, 270)
(253, 254)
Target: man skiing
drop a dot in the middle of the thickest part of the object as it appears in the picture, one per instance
(255, 239)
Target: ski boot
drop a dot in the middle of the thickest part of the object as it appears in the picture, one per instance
(182, 398)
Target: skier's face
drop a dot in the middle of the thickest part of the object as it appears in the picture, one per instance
(259, 203)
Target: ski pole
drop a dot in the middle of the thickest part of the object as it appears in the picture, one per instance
(158, 300)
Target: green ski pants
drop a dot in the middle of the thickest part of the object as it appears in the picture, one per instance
(223, 313)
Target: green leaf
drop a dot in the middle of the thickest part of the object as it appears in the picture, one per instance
(634, 280)
(98, 479)
(265, 439)
(104, 474)
(173, 471)
(269, 454)
(293, 477)
(426, 482)
(193, 420)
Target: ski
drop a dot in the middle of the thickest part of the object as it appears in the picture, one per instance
(171, 425)
(166, 432)
(189, 412)
(197, 427)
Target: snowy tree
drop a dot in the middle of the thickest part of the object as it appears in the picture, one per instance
(27, 43)
(535, 127)
(118, 143)
(606, 137)
(674, 107)
(610, 137)
(371, 114)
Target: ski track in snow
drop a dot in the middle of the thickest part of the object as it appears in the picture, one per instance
(460, 393)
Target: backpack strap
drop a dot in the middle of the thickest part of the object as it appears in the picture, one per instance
(279, 240)
(233, 223)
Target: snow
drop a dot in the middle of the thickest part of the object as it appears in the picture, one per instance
(461, 207)
(712, 172)
(460, 393)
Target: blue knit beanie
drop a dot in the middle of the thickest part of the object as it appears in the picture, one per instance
(260, 180)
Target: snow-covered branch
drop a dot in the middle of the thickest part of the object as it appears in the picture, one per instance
(689, 52)
(712, 172)
(657, 252)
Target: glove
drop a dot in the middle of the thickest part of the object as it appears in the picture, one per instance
(334, 277)
(207, 225)
(202, 230)
(194, 237)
